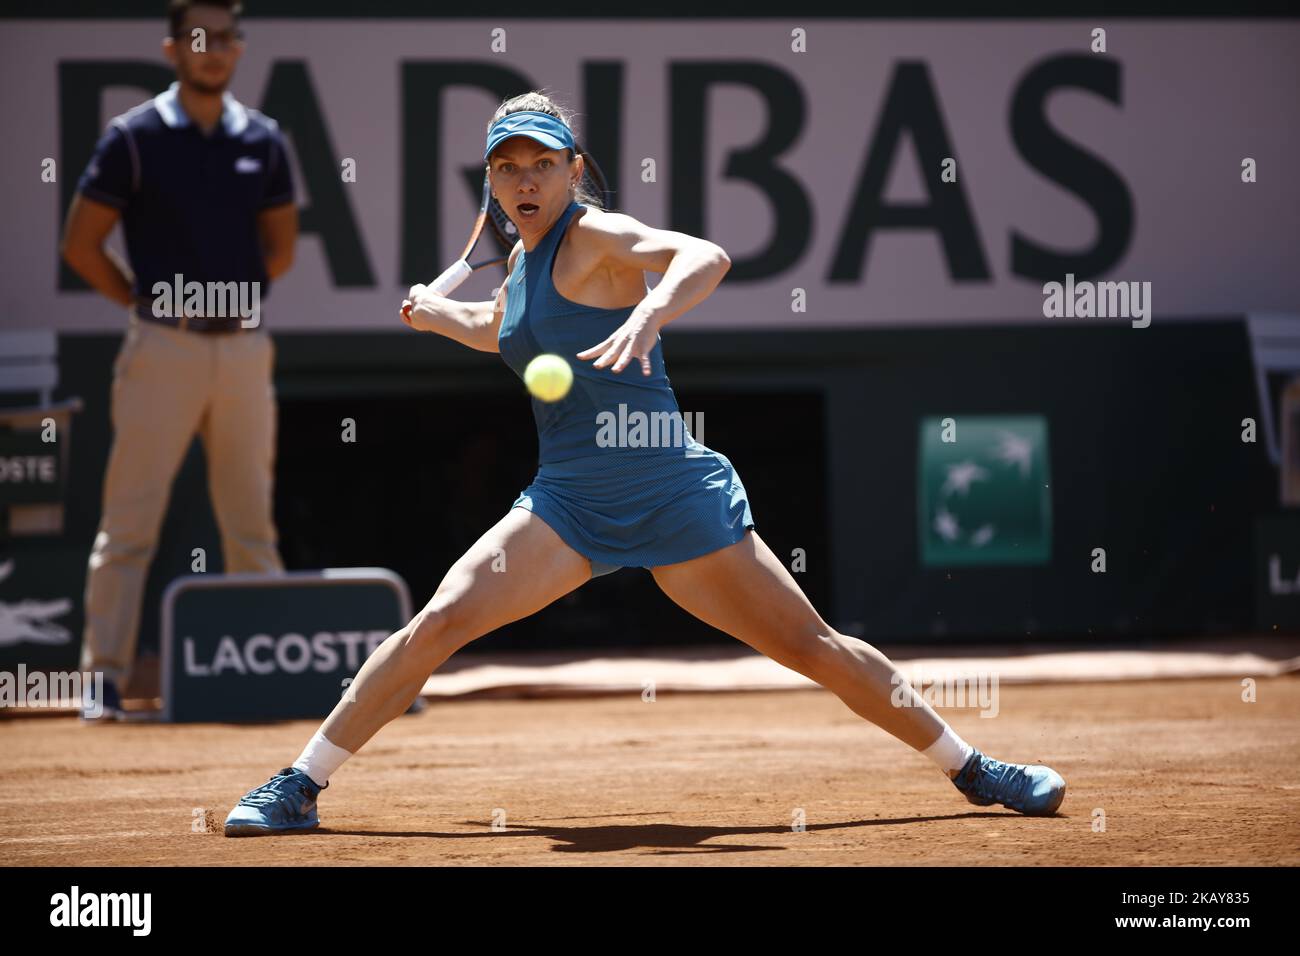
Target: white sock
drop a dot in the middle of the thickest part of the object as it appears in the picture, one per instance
(949, 752)
(320, 758)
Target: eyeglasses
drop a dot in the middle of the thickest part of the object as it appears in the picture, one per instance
(218, 40)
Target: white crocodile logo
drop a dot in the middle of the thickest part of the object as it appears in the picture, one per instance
(30, 621)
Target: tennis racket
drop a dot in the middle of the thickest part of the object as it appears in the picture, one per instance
(493, 219)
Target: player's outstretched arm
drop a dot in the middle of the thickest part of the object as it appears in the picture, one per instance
(471, 323)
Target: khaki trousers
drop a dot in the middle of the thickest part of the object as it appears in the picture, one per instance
(169, 385)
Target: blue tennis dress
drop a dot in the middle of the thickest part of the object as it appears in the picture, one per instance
(620, 478)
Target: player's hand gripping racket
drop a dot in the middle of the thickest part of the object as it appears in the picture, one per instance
(493, 219)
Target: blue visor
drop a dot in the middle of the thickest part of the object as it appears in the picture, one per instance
(546, 129)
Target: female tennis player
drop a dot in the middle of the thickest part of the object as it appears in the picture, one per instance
(576, 288)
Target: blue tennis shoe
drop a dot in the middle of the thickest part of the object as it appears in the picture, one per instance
(284, 804)
(1029, 789)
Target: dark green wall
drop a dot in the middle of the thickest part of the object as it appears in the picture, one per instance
(1145, 456)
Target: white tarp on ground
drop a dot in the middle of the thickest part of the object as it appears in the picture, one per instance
(726, 669)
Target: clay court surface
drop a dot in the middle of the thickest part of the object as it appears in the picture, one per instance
(1185, 772)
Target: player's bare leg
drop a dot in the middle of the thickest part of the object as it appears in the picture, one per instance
(745, 591)
(517, 567)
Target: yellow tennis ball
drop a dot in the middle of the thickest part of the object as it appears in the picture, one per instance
(548, 377)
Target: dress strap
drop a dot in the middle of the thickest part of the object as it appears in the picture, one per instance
(556, 232)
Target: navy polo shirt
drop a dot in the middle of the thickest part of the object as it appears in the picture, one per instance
(190, 202)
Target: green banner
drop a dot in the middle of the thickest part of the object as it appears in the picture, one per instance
(984, 492)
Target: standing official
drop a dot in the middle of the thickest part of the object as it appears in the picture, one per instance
(202, 187)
